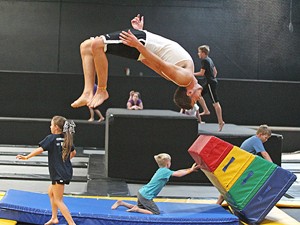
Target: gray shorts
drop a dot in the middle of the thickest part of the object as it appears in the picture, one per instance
(144, 203)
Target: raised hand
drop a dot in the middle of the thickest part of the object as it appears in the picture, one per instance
(138, 22)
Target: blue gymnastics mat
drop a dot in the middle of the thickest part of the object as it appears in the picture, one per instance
(34, 208)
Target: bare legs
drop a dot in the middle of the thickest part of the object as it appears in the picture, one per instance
(54, 219)
(89, 74)
(93, 60)
(101, 65)
(131, 208)
(101, 117)
(204, 107)
(55, 193)
(218, 110)
(92, 113)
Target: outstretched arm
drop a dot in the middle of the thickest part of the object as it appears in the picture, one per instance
(266, 156)
(181, 173)
(35, 152)
(200, 73)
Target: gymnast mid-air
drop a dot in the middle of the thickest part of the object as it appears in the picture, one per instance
(164, 56)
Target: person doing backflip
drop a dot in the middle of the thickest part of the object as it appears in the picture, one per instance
(164, 56)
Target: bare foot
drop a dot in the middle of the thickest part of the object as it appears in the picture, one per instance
(220, 200)
(221, 125)
(82, 100)
(99, 97)
(101, 119)
(52, 221)
(91, 119)
(117, 204)
(133, 209)
(205, 113)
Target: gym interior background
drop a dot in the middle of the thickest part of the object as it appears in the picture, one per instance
(254, 44)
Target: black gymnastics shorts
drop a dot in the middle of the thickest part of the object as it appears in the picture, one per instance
(211, 89)
(114, 45)
(60, 182)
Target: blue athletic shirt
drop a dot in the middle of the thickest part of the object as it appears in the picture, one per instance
(58, 169)
(253, 145)
(157, 182)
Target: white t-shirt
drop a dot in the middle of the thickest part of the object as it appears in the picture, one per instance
(193, 111)
(168, 50)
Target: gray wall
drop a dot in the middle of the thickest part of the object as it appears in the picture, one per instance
(248, 39)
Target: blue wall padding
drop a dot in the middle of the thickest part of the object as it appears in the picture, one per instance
(34, 208)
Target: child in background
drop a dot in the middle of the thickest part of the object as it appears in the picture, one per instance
(255, 145)
(135, 103)
(193, 112)
(92, 114)
(209, 72)
(95, 110)
(59, 145)
(148, 192)
(131, 94)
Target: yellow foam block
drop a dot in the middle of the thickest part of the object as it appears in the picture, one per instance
(4, 221)
(232, 167)
(7, 222)
(214, 180)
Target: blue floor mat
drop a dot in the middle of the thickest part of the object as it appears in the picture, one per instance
(34, 208)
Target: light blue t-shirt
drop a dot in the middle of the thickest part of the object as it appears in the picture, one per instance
(157, 182)
(253, 145)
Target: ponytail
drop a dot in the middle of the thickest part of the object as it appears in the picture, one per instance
(68, 129)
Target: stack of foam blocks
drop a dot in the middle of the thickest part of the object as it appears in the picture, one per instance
(250, 184)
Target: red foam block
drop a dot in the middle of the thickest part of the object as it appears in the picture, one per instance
(209, 151)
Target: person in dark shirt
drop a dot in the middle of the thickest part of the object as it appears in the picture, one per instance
(59, 145)
(209, 71)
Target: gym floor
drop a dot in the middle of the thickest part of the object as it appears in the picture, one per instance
(89, 177)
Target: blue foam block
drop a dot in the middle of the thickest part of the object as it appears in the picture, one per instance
(267, 196)
(34, 208)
